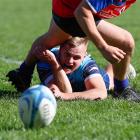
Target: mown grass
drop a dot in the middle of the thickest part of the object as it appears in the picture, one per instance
(21, 21)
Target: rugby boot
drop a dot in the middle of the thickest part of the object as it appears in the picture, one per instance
(128, 94)
(20, 80)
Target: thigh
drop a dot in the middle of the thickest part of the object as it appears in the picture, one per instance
(113, 34)
(55, 36)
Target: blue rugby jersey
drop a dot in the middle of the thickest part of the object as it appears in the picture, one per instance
(86, 70)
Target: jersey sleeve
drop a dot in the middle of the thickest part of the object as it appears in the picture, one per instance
(91, 70)
(107, 9)
(98, 5)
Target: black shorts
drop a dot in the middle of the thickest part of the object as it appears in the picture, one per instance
(70, 25)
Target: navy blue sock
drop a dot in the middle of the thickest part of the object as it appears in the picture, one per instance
(26, 70)
(120, 85)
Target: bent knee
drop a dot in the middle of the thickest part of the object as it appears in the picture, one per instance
(128, 43)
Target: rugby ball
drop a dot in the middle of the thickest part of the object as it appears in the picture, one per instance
(37, 107)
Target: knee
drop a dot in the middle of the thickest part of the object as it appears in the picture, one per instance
(40, 45)
(44, 41)
(128, 43)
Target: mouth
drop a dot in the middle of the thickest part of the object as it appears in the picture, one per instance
(67, 67)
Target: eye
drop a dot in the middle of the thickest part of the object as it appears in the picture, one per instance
(67, 54)
(76, 57)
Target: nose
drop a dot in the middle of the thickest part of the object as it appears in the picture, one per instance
(70, 60)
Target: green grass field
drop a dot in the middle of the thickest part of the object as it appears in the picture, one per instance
(21, 21)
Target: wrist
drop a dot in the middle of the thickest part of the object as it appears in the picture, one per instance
(56, 66)
(102, 46)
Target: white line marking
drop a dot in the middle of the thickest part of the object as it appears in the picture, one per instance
(10, 61)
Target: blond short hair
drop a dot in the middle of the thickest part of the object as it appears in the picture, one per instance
(76, 41)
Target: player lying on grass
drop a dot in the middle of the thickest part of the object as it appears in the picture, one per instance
(84, 18)
(72, 74)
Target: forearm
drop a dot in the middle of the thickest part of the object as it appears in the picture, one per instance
(85, 19)
(92, 94)
(61, 78)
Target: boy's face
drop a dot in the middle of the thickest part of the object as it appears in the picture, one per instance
(71, 57)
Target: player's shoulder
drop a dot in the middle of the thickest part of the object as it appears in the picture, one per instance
(89, 67)
(88, 62)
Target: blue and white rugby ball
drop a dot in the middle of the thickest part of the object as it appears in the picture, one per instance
(37, 106)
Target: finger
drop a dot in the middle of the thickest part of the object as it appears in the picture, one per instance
(121, 51)
(119, 55)
(116, 59)
(56, 95)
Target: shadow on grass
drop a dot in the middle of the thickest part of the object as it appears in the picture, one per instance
(10, 129)
(7, 94)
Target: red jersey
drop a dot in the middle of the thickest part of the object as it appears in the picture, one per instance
(65, 8)
(101, 8)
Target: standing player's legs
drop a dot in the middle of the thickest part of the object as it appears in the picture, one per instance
(55, 36)
(21, 77)
(122, 39)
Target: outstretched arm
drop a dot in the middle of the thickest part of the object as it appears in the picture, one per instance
(95, 90)
(85, 18)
